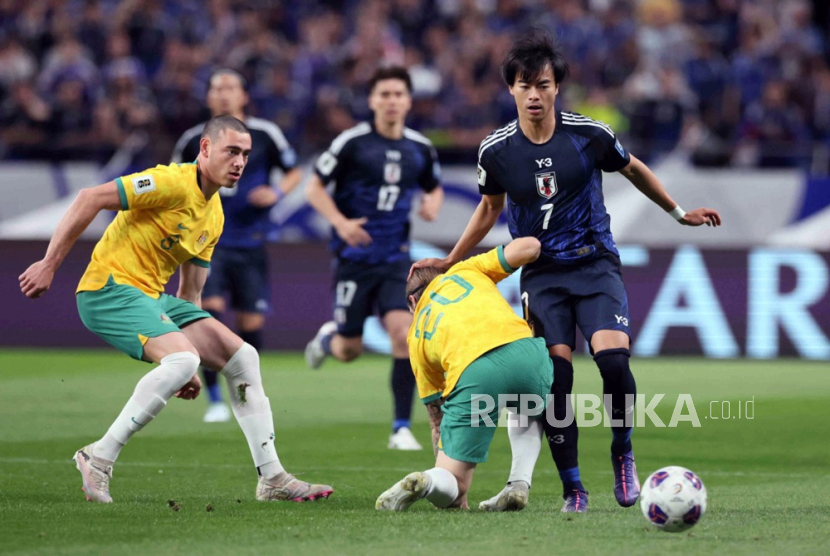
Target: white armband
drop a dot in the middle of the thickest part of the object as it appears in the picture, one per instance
(677, 213)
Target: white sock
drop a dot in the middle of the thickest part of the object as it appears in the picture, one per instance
(149, 398)
(443, 489)
(525, 444)
(252, 409)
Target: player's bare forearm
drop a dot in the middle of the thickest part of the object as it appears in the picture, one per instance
(37, 279)
(483, 219)
(522, 251)
(435, 416)
(649, 185)
(644, 179)
(192, 280)
(321, 201)
(350, 230)
(431, 203)
(291, 180)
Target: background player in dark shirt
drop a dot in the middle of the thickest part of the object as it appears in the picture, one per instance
(377, 168)
(549, 164)
(239, 266)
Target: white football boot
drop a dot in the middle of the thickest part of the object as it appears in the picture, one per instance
(512, 498)
(404, 493)
(96, 474)
(314, 353)
(217, 412)
(403, 440)
(286, 486)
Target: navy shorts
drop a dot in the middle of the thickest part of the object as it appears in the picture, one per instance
(559, 298)
(243, 275)
(361, 290)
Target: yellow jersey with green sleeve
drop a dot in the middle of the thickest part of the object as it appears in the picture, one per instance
(460, 317)
(164, 221)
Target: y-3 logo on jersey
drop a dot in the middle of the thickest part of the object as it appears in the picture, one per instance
(544, 162)
(546, 184)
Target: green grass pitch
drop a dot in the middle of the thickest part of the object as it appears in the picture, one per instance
(768, 477)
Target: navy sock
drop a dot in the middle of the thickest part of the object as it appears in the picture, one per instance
(571, 480)
(212, 385)
(210, 376)
(253, 337)
(325, 341)
(562, 441)
(403, 390)
(619, 383)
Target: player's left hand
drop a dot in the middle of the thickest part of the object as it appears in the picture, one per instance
(701, 216)
(430, 204)
(191, 390)
(37, 279)
(263, 196)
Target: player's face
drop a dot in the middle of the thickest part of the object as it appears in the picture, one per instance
(534, 100)
(390, 100)
(228, 156)
(226, 95)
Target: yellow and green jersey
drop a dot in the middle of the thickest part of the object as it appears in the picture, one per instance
(164, 221)
(461, 316)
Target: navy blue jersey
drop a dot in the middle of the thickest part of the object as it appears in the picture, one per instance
(554, 190)
(246, 226)
(377, 178)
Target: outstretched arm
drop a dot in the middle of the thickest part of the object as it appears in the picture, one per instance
(431, 203)
(644, 179)
(482, 221)
(38, 278)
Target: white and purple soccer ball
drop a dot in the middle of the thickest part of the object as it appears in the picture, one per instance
(673, 499)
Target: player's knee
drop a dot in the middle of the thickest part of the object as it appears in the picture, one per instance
(350, 352)
(182, 365)
(613, 364)
(245, 362)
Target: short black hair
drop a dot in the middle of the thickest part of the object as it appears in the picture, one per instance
(221, 123)
(530, 54)
(391, 72)
(233, 73)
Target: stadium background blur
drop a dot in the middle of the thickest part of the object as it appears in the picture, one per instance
(728, 100)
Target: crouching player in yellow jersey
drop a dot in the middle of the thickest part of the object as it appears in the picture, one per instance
(467, 346)
(170, 217)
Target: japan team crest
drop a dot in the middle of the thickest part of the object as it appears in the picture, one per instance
(546, 184)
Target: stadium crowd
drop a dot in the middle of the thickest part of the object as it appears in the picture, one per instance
(743, 82)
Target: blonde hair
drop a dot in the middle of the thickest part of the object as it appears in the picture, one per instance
(420, 280)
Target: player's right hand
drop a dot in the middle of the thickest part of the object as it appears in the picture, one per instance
(36, 280)
(351, 231)
(441, 264)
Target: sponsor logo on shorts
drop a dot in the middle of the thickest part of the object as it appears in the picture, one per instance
(165, 319)
(143, 184)
(202, 238)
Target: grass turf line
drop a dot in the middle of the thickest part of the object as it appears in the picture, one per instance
(767, 478)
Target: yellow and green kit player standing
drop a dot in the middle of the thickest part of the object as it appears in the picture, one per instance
(470, 351)
(170, 217)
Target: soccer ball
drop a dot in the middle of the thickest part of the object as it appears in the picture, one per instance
(673, 499)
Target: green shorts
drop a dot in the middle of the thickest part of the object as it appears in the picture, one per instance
(520, 367)
(126, 317)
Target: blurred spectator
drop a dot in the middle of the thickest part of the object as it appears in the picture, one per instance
(693, 77)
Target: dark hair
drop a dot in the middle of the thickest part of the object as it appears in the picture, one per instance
(530, 54)
(233, 73)
(221, 123)
(420, 280)
(390, 72)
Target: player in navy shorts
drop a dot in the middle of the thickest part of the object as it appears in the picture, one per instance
(548, 166)
(239, 267)
(377, 168)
